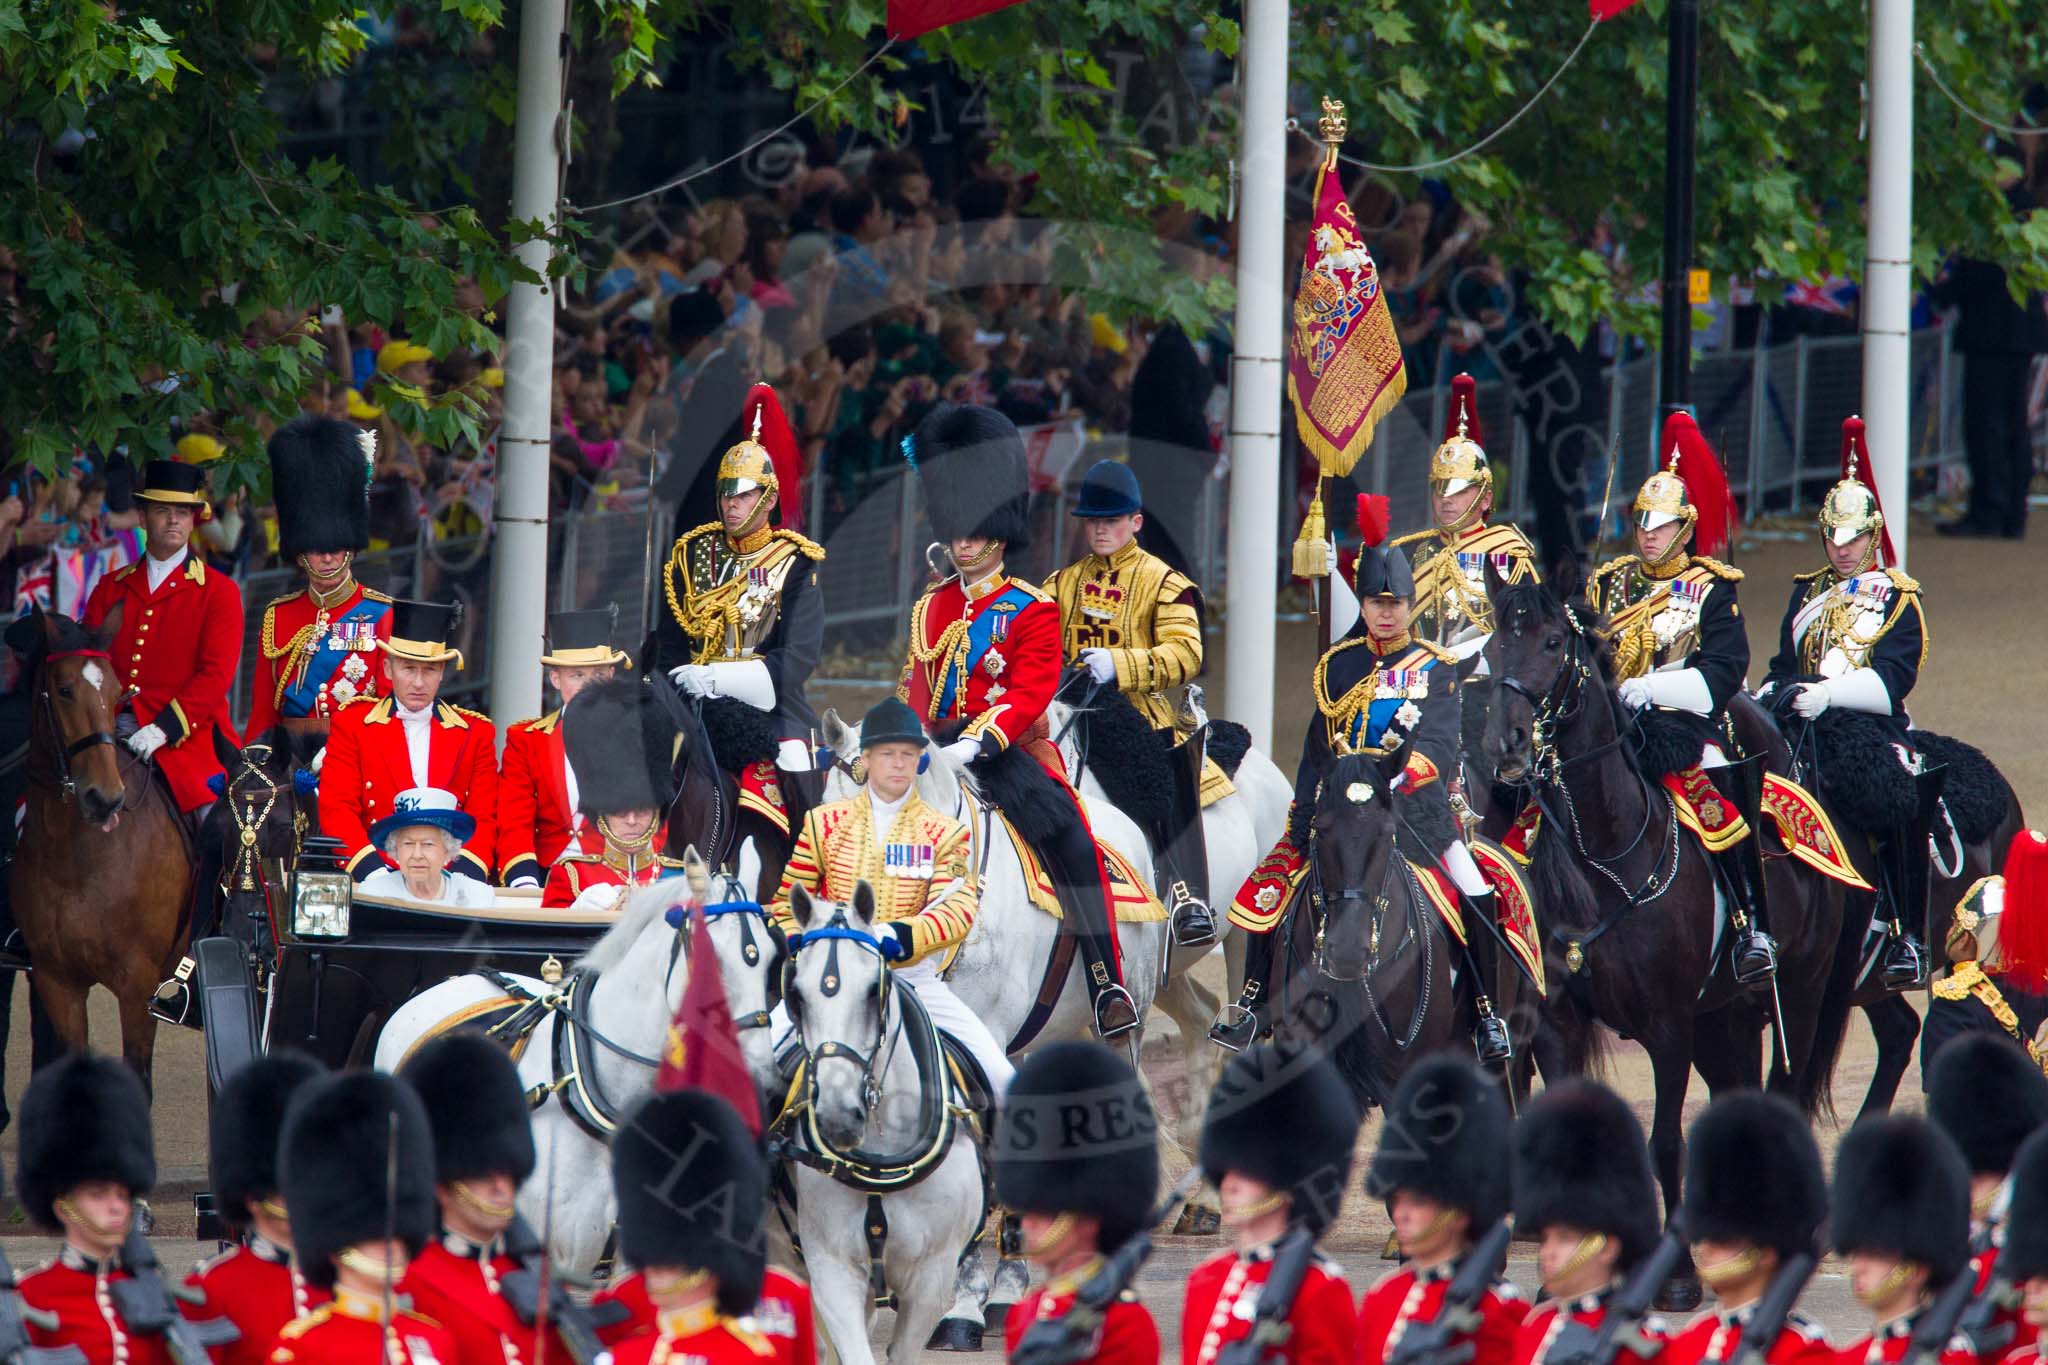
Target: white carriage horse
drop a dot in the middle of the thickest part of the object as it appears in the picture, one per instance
(592, 1041)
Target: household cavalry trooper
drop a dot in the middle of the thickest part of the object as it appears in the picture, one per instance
(1902, 1223)
(919, 865)
(539, 816)
(1277, 1142)
(1680, 652)
(354, 1229)
(618, 739)
(254, 1283)
(1072, 1155)
(1581, 1176)
(1135, 623)
(1853, 640)
(1383, 692)
(985, 661)
(1997, 981)
(745, 622)
(319, 644)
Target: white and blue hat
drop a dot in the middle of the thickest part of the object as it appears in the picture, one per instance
(424, 806)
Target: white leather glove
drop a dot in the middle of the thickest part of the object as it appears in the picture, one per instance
(1861, 689)
(1764, 693)
(604, 899)
(524, 884)
(145, 742)
(1343, 601)
(1100, 666)
(744, 680)
(1635, 693)
(963, 751)
(692, 680)
(1810, 700)
(1681, 689)
(319, 761)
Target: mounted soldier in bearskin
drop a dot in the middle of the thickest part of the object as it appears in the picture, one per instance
(619, 741)
(985, 660)
(1135, 624)
(1849, 651)
(539, 818)
(1997, 981)
(1902, 1221)
(1075, 1156)
(745, 622)
(1680, 653)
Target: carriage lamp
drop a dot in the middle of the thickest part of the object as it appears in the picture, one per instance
(320, 904)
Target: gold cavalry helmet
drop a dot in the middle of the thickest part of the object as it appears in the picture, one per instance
(1460, 462)
(752, 463)
(1851, 508)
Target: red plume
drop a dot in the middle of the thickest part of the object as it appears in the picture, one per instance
(1465, 401)
(780, 440)
(2023, 928)
(702, 1051)
(1373, 518)
(1856, 465)
(1705, 485)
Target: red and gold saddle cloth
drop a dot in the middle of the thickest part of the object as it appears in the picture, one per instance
(1513, 911)
(761, 792)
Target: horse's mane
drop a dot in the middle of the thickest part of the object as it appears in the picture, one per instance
(644, 905)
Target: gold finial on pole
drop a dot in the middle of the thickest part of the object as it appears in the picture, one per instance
(1330, 127)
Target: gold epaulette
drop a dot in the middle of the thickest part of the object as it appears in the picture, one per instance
(1718, 569)
(1809, 577)
(578, 856)
(306, 1322)
(805, 546)
(373, 595)
(1435, 651)
(540, 725)
(473, 715)
(1037, 593)
(1901, 581)
(277, 602)
(362, 697)
(1614, 565)
(1398, 541)
(698, 532)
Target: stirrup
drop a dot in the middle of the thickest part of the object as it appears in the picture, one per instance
(1754, 959)
(1193, 922)
(1905, 964)
(1115, 1012)
(1236, 1027)
(172, 1003)
(1490, 1037)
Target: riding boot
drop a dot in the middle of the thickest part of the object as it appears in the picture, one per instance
(1489, 1031)
(1183, 849)
(175, 1001)
(1077, 878)
(1240, 1024)
(1902, 857)
(1752, 952)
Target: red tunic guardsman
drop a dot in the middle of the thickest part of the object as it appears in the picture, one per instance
(538, 818)
(985, 660)
(319, 644)
(179, 638)
(783, 1315)
(620, 742)
(1439, 1166)
(1902, 1221)
(254, 1284)
(2023, 1260)
(1582, 1183)
(701, 1261)
(1072, 1157)
(411, 739)
(483, 1153)
(1277, 1140)
(344, 1137)
(85, 1158)
(1754, 1200)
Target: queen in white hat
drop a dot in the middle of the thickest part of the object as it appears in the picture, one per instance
(422, 835)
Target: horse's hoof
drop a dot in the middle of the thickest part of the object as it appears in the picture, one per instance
(955, 1334)
(995, 1317)
(1197, 1221)
(1680, 1294)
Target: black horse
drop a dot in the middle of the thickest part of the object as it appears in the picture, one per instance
(707, 814)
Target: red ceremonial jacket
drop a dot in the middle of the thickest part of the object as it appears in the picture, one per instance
(706, 1339)
(1126, 1335)
(783, 1315)
(348, 1333)
(990, 656)
(1403, 1298)
(368, 765)
(316, 660)
(578, 871)
(1223, 1295)
(67, 1288)
(535, 822)
(1713, 1336)
(1887, 1346)
(256, 1288)
(177, 649)
(1534, 1337)
(460, 1292)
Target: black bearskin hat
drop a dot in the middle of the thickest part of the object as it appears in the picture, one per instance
(1901, 1189)
(248, 1114)
(622, 745)
(1988, 1095)
(1282, 1115)
(83, 1118)
(1580, 1160)
(1446, 1138)
(475, 1106)
(331, 1168)
(976, 479)
(1076, 1134)
(320, 481)
(1752, 1174)
(2025, 1255)
(691, 1190)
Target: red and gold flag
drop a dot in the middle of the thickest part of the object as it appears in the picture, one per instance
(702, 1050)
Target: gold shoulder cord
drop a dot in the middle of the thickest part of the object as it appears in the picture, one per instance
(950, 646)
(1337, 715)
(291, 649)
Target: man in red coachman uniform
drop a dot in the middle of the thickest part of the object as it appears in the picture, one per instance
(335, 1159)
(1582, 1182)
(1440, 1166)
(1902, 1221)
(254, 1284)
(1276, 1143)
(1754, 1199)
(1076, 1155)
(538, 816)
(985, 658)
(411, 739)
(2023, 1260)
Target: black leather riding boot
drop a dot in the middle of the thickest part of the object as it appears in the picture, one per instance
(1905, 965)
(1183, 850)
(1240, 1024)
(1489, 1031)
(1752, 952)
(1072, 860)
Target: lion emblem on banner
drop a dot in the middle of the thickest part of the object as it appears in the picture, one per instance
(1335, 293)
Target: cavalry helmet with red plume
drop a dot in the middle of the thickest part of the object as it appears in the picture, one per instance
(1460, 462)
(1851, 507)
(1691, 487)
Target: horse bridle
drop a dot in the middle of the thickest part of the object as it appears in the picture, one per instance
(750, 950)
(67, 785)
(1381, 903)
(249, 822)
(835, 932)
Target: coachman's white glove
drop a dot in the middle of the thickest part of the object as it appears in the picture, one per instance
(145, 742)
(1099, 664)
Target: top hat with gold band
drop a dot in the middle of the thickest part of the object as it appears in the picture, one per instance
(180, 485)
(420, 631)
(583, 639)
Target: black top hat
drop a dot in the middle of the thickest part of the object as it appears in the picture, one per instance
(583, 639)
(691, 1187)
(420, 631)
(475, 1106)
(82, 1118)
(320, 481)
(890, 721)
(1282, 1115)
(1109, 489)
(1446, 1138)
(1076, 1134)
(248, 1114)
(172, 482)
(1901, 1190)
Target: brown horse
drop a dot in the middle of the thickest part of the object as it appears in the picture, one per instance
(104, 873)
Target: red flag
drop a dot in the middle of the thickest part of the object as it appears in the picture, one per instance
(703, 1048)
(1607, 9)
(909, 18)
(1344, 367)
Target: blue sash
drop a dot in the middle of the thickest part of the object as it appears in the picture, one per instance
(981, 633)
(354, 632)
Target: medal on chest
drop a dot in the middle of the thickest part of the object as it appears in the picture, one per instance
(911, 861)
(1681, 614)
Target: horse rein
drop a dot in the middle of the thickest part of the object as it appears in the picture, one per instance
(67, 785)
(1381, 903)
(873, 1065)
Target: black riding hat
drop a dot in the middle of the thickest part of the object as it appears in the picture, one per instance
(1109, 489)
(890, 721)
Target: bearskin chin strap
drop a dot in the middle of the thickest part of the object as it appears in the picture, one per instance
(1591, 1245)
